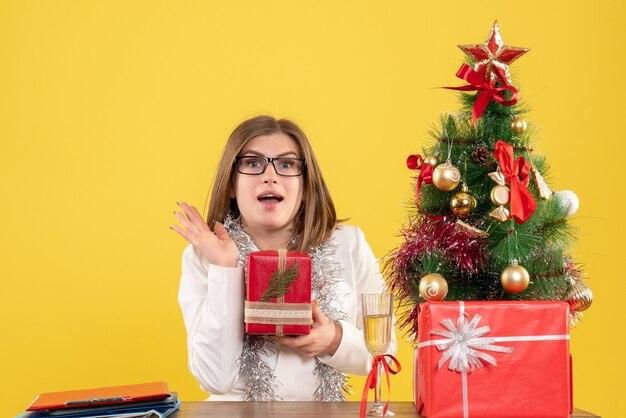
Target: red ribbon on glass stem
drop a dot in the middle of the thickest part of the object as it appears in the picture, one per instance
(516, 172)
(372, 379)
(416, 162)
(487, 90)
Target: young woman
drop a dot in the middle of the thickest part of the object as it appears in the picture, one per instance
(268, 194)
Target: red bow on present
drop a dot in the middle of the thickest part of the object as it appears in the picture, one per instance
(416, 162)
(372, 379)
(523, 203)
(488, 90)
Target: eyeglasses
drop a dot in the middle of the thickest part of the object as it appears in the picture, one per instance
(254, 165)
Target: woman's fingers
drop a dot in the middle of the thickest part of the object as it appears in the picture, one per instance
(193, 215)
(319, 318)
(293, 342)
(186, 223)
(214, 247)
(181, 231)
(305, 344)
(221, 232)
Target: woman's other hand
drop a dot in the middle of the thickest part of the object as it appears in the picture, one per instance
(324, 338)
(215, 247)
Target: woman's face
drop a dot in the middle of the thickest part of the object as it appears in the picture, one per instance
(268, 202)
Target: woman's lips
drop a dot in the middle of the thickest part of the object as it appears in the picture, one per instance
(270, 200)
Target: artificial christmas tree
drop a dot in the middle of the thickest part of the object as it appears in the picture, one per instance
(487, 228)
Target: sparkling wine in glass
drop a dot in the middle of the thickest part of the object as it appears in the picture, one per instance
(377, 314)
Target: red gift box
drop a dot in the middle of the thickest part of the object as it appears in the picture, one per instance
(508, 359)
(290, 314)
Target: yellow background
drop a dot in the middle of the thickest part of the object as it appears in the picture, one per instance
(111, 111)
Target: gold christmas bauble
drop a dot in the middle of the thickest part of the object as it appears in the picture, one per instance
(518, 125)
(500, 195)
(580, 297)
(446, 176)
(514, 279)
(432, 160)
(463, 203)
(433, 286)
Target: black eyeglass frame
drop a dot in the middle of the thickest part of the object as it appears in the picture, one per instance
(269, 160)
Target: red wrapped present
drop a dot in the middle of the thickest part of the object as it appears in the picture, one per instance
(278, 293)
(493, 359)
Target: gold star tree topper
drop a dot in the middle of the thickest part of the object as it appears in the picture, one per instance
(493, 53)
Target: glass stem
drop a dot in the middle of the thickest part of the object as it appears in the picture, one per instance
(377, 392)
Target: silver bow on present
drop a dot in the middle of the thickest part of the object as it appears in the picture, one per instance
(464, 342)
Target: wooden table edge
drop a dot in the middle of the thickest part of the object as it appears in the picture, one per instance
(303, 409)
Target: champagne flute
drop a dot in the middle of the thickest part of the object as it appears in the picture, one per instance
(377, 314)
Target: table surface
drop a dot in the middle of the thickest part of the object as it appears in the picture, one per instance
(296, 409)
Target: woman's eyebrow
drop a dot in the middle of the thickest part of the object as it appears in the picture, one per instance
(260, 154)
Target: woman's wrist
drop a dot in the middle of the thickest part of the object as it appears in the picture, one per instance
(224, 264)
(336, 341)
(230, 261)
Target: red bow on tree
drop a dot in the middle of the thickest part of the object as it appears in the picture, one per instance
(416, 162)
(523, 203)
(372, 379)
(488, 90)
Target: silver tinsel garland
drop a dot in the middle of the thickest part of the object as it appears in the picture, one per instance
(325, 278)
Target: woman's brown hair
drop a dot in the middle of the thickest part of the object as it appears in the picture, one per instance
(316, 219)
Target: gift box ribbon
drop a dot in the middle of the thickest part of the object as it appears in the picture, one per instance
(279, 313)
(464, 343)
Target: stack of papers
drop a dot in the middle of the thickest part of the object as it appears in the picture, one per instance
(145, 400)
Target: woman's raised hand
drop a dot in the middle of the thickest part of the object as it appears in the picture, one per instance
(215, 247)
